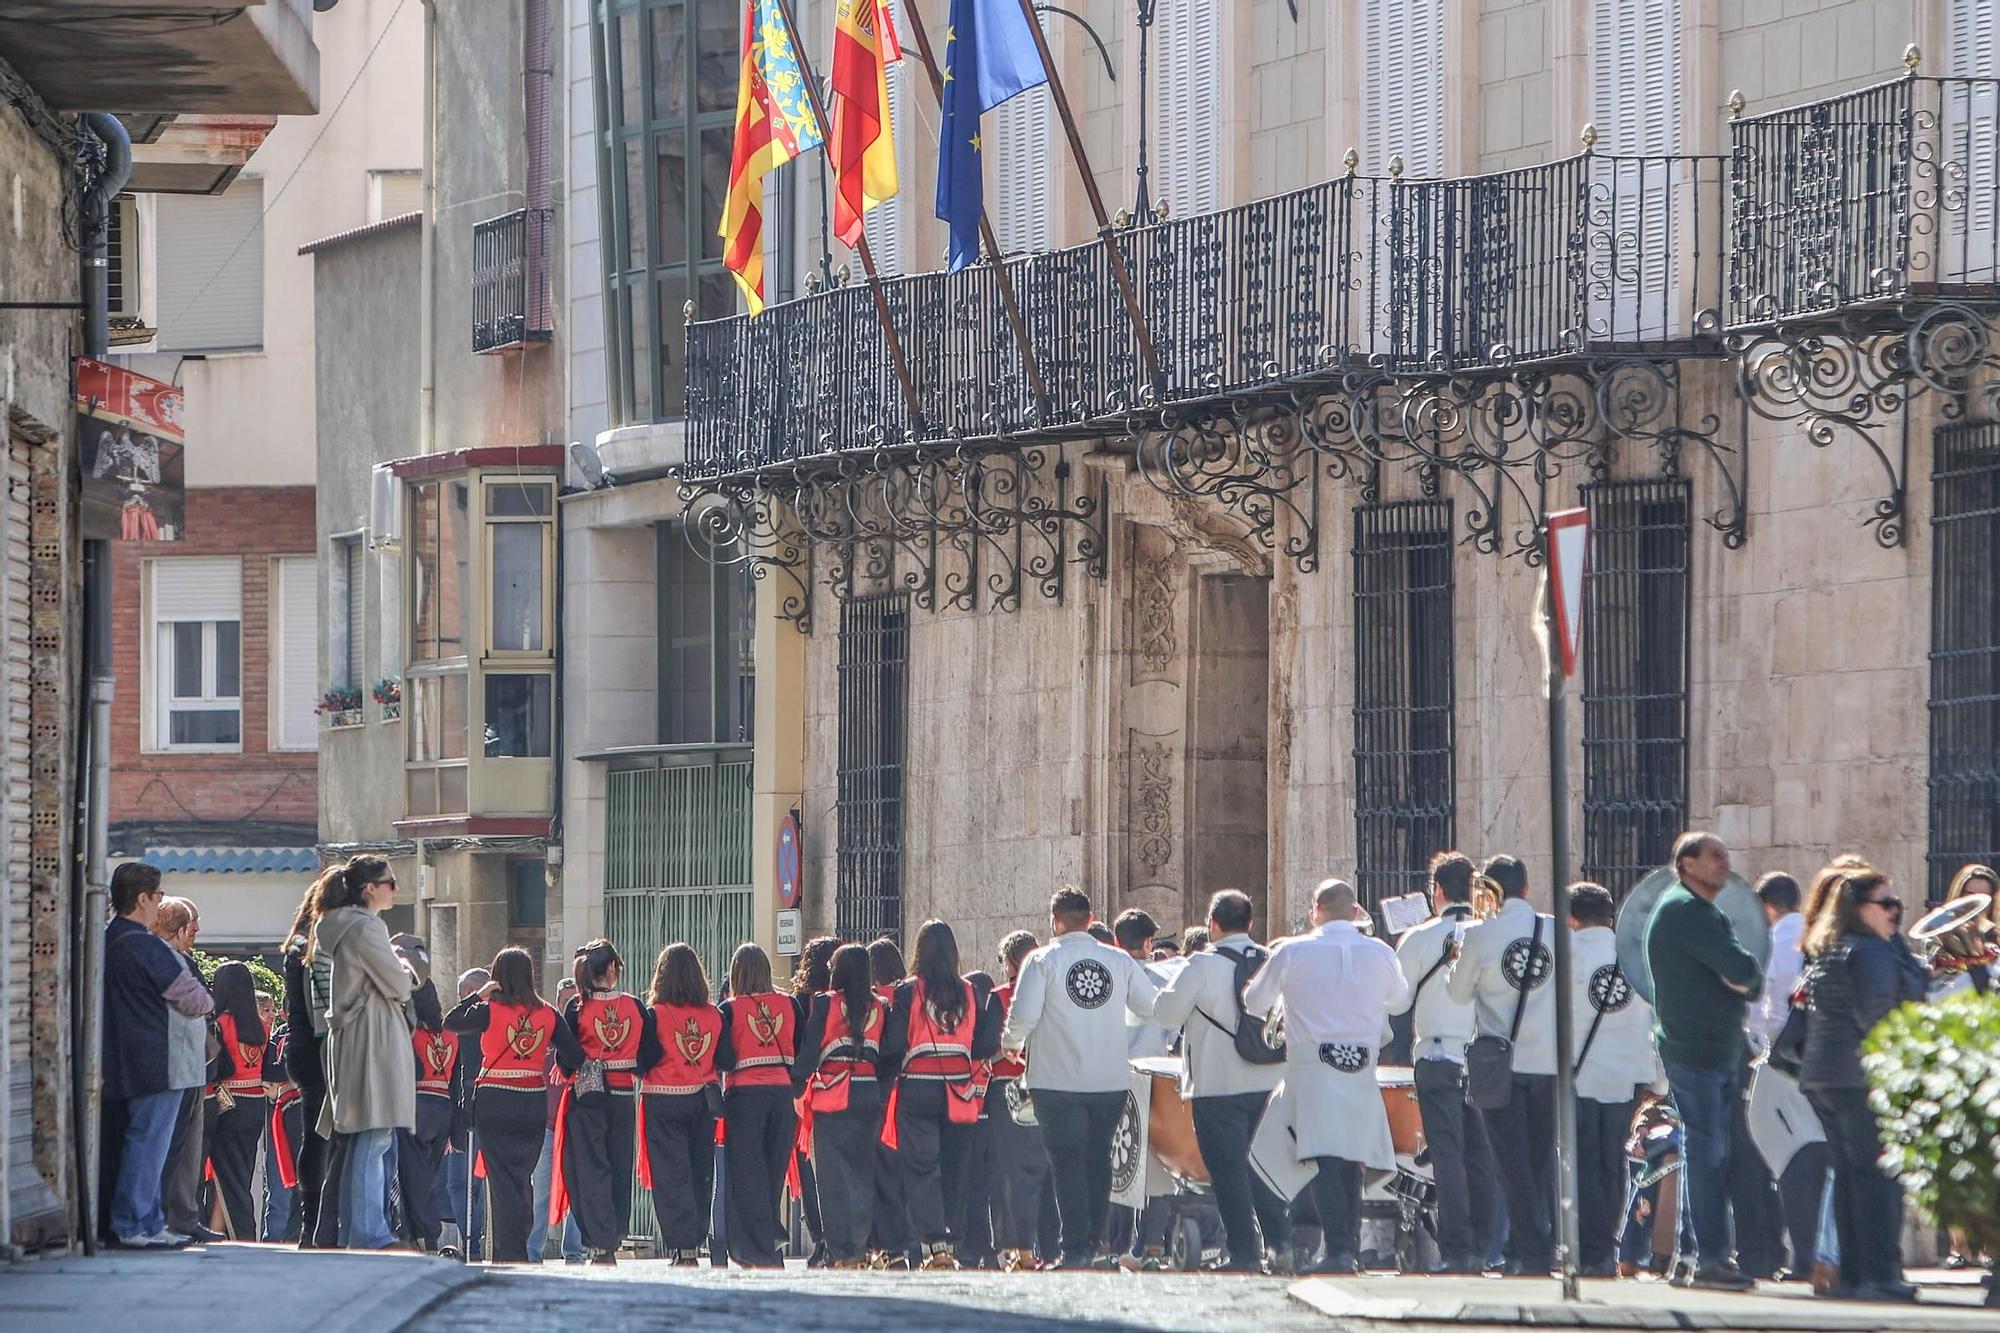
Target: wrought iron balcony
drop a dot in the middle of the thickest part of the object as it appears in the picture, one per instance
(510, 280)
(1864, 200)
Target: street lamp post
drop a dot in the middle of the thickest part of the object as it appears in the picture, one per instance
(1143, 204)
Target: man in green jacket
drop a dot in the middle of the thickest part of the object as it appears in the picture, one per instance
(1703, 981)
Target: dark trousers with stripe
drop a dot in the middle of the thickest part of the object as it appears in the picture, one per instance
(931, 1153)
(680, 1149)
(597, 1165)
(419, 1159)
(844, 1167)
(757, 1142)
(510, 1123)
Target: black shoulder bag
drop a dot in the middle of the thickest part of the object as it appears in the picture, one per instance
(1248, 1036)
(1489, 1060)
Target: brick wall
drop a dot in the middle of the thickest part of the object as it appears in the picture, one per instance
(254, 523)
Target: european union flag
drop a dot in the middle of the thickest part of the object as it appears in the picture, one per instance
(989, 56)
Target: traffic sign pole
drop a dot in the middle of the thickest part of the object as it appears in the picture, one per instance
(1567, 542)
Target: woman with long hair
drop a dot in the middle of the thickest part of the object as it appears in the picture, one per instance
(810, 976)
(893, 1242)
(939, 1035)
(243, 1060)
(371, 1083)
(1862, 969)
(679, 1100)
(305, 1033)
(759, 1039)
(420, 1151)
(594, 1126)
(517, 1032)
(1820, 893)
(1020, 1164)
(837, 1071)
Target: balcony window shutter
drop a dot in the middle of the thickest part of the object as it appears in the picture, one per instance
(1022, 197)
(210, 251)
(1402, 93)
(297, 637)
(1189, 128)
(1970, 249)
(391, 611)
(883, 223)
(197, 589)
(1635, 76)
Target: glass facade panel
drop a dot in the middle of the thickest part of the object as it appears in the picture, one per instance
(707, 620)
(187, 659)
(228, 659)
(518, 551)
(517, 715)
(439, 540)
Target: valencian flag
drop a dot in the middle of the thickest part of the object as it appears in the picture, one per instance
(989, 56)
(774, 124)
(862, 151)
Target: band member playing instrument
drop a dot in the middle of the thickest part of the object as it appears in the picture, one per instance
(680, 1098)
(595, 1126)
(420, 1152)
(759, 1038)
(516, 1029)
(1613, 1045)
(838, 1074)
(243, 1063)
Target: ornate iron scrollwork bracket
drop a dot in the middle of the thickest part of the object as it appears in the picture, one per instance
(750, 523)
(1253, 463)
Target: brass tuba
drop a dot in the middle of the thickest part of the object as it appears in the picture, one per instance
(1486, 898)
(1952, 936)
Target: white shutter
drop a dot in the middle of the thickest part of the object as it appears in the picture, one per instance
(210, 264)
(198, 588)
(883, 224)
(390, 665)
(1970, 247)
(1021, 200)
(394, 193)
(1635, 76)
(295, 632)
(1402, 95)
(1187, 167)
(1635, 103)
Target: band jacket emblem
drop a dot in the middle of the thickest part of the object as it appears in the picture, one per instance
(524, 1038)
(612, 1028)
(249, 1057)
(766, 1023)
(693, 1044)
(438, 1054)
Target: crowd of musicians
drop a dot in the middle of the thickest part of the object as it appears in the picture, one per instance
(927, 1113)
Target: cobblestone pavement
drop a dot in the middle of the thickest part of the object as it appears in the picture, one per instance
(649, 1295)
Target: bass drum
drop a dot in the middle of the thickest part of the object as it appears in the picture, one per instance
(1737, 900)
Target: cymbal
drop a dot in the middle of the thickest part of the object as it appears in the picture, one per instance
(1738, 901)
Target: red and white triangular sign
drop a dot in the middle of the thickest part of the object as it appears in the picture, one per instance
(1569, 542)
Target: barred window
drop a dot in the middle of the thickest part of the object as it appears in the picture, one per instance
(1965, 652)
(868, 869)
(1635, 670)
(1403, 758)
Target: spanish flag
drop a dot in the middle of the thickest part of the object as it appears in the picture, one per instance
(863, 152)
(774, 124)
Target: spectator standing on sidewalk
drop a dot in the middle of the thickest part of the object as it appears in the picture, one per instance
(305, 1042)
(144, 980)
(179, 924)
(1703, 981)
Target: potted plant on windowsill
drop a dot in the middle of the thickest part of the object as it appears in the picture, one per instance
(389, 694)
(341, 706)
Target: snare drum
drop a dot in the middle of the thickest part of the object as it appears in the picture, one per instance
(1170, 1121)
(1399, 1099)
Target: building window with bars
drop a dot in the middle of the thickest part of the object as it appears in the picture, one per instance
(1403, 680)
(1965, 652)
(868, 868)
(1635, 672)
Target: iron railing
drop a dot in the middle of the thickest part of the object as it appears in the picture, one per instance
(1864, 199)
(1635, 674)
(1403, 673)
(511, 305)
(1964, 775)
(868, 855)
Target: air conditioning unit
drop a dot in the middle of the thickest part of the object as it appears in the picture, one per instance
(385, 510)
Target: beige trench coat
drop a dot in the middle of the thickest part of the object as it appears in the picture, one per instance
(371, 1069)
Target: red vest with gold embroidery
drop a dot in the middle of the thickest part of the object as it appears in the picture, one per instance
(248, 1056)
(437, 1052)
(1002, 1067)
(940, 1052)
(843, 1060)
(608, 1028)
(762, 1029)
(514, 1049)
(687, 1034)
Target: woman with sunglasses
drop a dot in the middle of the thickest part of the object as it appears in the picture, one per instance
(1862, 969)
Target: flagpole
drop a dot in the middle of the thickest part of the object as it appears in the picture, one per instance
(811, 81)
(1007, 294)
(1140, 332)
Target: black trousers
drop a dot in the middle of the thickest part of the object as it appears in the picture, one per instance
(598, 1141)
(680, 1149)
(1336, 1192)
(180, 1179)
(1461, 1162)
(931, 1153)
(232, 1148)
(419, 1158)
(1018, 1179)
(1601, 1178)
(973, 1231)
(510, 1124)
(1755, 1206)
(1077, 1128)
(844, 1165)
(889, 1231)
(310, 1153)
(1802, 1187)
(757, 1144)
(1867, 1204)
(1523, 1135)
(1223, 1128)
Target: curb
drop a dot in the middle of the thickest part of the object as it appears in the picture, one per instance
(396, 1305)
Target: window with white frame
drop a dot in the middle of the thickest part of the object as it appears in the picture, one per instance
(346, 637)
(394, 193)
(197, 644)
(520, 532)
(295, 661)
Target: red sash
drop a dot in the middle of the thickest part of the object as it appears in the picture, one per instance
(281, 1142)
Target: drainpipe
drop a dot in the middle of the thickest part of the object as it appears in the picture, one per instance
(427, 281)
(97, 227)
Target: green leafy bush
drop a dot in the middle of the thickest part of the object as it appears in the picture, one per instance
(1935, 1071)
(267, 980)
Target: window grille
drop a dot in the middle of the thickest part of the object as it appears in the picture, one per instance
(874, 660)
(1965, 652)
(1403, 758)
(1635, 670)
